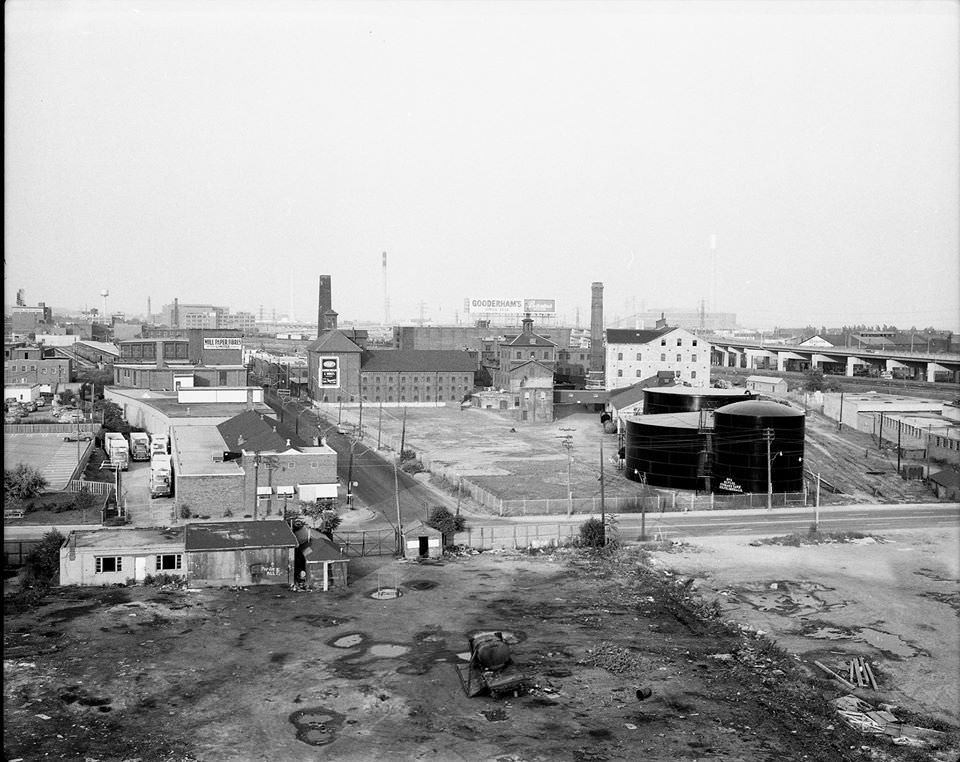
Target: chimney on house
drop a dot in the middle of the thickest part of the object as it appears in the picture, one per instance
(662, 322)
(528, 324)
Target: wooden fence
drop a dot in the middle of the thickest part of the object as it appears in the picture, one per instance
(96, 488)
(376, 542)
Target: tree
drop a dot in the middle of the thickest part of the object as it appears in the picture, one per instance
(22, 482)
(113, 419)
(592, 533)
(43, 562)
(444, 521)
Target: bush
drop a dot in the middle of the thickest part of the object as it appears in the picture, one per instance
(592, 534)
(42, 564)
(185, 512)
(84, 501)
(23, 481)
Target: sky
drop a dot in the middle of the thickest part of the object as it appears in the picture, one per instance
(792, 162)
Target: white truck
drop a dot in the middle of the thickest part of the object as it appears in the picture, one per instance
(158, 444)
(117, 449)
(161, 476)
(139, 445)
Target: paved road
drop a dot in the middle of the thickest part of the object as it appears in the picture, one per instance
(377, 485)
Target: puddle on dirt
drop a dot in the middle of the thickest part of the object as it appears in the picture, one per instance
(388, 650)
(828, 633)
(350, 640)
(386, 594)
(420, 584)
(890, 644)
(322, 620)
(317, 726)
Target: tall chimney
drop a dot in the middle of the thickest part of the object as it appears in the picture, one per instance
(325, 303)
(595, 376)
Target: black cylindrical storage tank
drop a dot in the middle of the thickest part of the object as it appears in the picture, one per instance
(668, 449)
(740, 447)
(688, 399)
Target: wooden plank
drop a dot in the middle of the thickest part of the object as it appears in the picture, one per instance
(873, 681)
(834, 675)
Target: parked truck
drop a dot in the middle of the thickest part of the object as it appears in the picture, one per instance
(161, 476)
(158, 444)
(117, 449)
(139, 445)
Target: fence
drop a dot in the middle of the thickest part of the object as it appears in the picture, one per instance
(50, 428)
(376, 542)
(82, 485)
(516, 535)
(15, 551)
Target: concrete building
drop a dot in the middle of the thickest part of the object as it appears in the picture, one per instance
(633, 355)
(240, 553)
(422, 541)
(209, 316)
(113, 556)
(25, 320)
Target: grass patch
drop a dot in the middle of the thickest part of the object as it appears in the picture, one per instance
(815, 537)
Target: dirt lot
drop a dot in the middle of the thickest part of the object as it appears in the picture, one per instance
(895, 602)
(270, 674)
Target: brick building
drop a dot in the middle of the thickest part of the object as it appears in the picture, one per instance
(196, 357)
(521, 349)
(30, 364)
(423, 375)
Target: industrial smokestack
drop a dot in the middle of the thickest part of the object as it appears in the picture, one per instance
(325, 302)
(386, 293)
(595, 376)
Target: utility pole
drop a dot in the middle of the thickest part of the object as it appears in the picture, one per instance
(459, 490)
(379, 425)
(568, 444)
(350, 478)
(899, 431)
(768, 435)
(603, 510)
(396, 489)
(403, 433)
(340, 413)
(256, 483)
(360, 422)
(840, 421)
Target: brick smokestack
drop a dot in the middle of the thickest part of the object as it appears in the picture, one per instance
(326, 317)
(596, 328)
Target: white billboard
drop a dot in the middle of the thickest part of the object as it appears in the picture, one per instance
(329, 372)
(225, 342)
(511, 306)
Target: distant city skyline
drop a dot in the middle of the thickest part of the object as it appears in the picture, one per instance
(793, 162)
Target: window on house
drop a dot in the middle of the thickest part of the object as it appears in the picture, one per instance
(693, 358)
(639, 357)
(694, 342)
(693, 374)
(108, 564)
(663, 342)
(663, 358)
(678, 357)
(620, 372)
(679, 342)
(518, 355)
(170, 561)
(619, 355)
(638, 373)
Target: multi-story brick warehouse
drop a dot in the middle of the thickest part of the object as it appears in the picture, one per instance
(422, 375)
(201, 358)
(633, 355)
(27, 364)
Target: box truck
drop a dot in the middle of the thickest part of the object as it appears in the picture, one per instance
(161, 476)
(117, 449)
(158, 444)
(139, 445)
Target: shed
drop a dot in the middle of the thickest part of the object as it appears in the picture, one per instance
(946, 484)
(767, 384)
(324, 564)
(422, 541)
(240, 552)
(113, 556)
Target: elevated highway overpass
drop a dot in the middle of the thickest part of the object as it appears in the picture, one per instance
(850, 361)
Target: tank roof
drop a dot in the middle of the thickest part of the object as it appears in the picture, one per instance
(759, 409)
(699, 391)
(671, 420)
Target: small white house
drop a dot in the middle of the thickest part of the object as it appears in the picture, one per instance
(767, 385)
(111, 556)
(22, 392)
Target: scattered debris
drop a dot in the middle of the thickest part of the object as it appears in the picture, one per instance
(862, 716)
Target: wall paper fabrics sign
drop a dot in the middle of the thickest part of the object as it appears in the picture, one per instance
(225, 342)
(729, 485)
(330, 371)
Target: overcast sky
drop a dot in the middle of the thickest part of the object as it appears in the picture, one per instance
(231, 152)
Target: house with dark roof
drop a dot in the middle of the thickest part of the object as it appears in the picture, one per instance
(417, 375)
(946, 484)
(525, 347)
(634, 355)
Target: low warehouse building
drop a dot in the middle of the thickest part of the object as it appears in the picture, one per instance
(421, 541)
(240, 553)
(113, 556)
